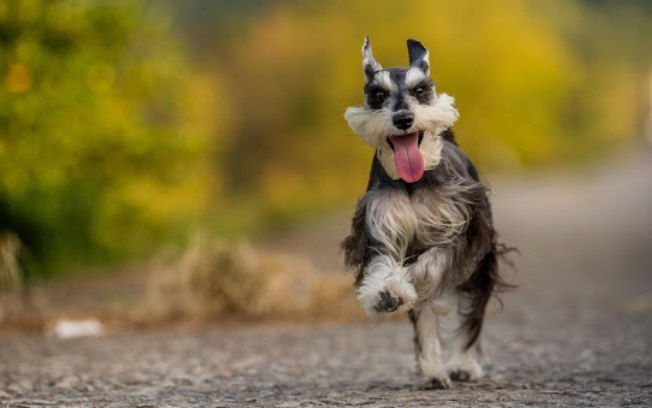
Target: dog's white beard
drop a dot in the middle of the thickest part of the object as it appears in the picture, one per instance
(374, 126)
(430, 149)
(437, 117)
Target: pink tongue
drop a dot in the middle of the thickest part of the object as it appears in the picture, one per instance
(407, 157)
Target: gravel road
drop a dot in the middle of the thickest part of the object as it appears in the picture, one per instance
(578, 331)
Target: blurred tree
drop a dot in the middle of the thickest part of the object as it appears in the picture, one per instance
(527, 95)
(113, 141)
(607, 105)
(106, 136)
(297, 68)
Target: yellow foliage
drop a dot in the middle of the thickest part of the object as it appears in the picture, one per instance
(298, 68)
(19, 78)
(113, 139)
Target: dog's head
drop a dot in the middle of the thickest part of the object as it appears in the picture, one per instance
(403, 114)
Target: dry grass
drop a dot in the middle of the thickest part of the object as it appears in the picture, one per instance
(209, 282)
(212, 280)
(10, 271)
(13, 300)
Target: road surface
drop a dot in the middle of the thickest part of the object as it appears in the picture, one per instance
(577, 332)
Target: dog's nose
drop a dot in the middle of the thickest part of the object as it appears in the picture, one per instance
(403, 120)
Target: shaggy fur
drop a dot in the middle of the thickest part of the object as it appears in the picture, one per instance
(426, 247)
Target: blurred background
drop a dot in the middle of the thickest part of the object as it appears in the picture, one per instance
(166, 160)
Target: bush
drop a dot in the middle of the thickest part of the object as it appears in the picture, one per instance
(105, 132)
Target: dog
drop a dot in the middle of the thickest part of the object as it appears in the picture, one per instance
(422, 239)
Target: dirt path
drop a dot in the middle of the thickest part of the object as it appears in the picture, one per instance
(578, 332)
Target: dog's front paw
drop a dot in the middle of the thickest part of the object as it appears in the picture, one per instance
(388, 303)
(466, 369)
(433, 375)
(387, 293)
(440, 382)
(389, 299)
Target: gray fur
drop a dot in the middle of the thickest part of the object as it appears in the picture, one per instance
(428, 247)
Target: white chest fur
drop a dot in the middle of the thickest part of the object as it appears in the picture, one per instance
(429, 216)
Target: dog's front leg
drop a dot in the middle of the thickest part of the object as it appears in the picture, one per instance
(385, 226)
(386, 287)
(428, 348)
(427, 273)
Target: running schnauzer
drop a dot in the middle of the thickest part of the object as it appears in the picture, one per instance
(422, 237)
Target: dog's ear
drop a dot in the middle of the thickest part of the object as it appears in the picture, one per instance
(369, 65)
(419, 56)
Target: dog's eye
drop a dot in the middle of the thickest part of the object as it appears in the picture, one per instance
(376, 97)
(423, 92)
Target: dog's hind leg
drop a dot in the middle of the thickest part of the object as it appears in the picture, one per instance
(428, 347)
(460, 357)
(460, 329)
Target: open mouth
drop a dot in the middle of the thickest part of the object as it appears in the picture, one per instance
(419, 140)
(407, 156)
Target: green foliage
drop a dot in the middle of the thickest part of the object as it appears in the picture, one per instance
(104, 131)
(112, 141)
